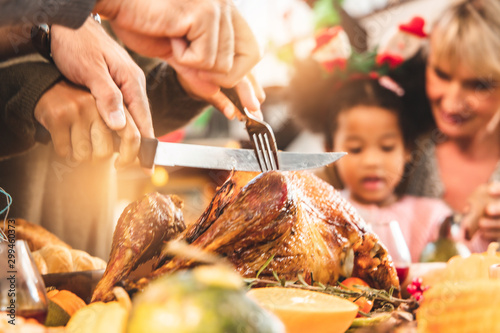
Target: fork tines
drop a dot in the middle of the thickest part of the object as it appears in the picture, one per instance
(265, 153)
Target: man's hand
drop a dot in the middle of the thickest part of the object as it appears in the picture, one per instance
(208, 42)
(197, 33)
(248, 89)
(89, 57)
(70, 114)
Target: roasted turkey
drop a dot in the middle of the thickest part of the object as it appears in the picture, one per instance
(294, 217)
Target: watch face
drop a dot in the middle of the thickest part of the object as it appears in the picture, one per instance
(96, 17)
(45, 27)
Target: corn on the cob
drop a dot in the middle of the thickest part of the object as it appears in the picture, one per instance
(469, 306)
(458, 268)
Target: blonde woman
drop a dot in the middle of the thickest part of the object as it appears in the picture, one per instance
(460, 160)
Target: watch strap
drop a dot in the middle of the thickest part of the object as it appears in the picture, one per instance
(40, 38)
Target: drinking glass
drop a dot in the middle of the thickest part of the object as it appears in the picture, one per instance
(391, 236)
(22, 291)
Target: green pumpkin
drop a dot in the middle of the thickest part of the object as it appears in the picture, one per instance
(206, 299)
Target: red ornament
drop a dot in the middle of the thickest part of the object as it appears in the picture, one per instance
(414, 27)
(393, 60)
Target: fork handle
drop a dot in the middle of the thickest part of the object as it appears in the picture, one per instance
(234, 98)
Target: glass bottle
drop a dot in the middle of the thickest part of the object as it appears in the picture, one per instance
(445, 246)
(22, 290)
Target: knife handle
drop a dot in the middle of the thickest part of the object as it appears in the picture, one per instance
(147, 150)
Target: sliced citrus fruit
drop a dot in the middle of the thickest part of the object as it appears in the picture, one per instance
(306, 311)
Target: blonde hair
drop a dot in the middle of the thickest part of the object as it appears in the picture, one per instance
(469, 33)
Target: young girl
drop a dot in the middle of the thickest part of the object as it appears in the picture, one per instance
(363, 116)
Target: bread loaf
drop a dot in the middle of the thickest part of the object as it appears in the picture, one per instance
(52, 255)
(40, 262)
(82, 261)
(35, 235)
(59, 259)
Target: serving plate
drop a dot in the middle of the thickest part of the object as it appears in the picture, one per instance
(81, 283)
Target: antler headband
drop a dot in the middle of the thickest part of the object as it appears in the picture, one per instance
(335, 55)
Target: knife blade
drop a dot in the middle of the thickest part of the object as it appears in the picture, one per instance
(209, 157)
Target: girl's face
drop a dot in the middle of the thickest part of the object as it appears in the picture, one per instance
(376, 156)
(462, 103)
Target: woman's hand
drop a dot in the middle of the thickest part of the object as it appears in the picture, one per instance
(483, 213)
(489, 224)
(78, 131)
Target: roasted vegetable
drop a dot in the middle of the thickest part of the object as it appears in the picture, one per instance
(100, 317)
(62, 305)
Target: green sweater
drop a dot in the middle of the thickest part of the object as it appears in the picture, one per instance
(70, 13)
(21, 86)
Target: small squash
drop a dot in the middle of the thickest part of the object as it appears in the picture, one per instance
(100, 317)
(62, 305)
(67, 300)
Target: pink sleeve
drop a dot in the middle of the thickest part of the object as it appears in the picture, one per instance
(437, 212)
(430, 213)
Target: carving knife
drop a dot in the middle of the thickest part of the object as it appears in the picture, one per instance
(152, 152)
(208, 157)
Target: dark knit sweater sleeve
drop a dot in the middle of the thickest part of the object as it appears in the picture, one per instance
(21, 86)
(171, 107)
(70, 13)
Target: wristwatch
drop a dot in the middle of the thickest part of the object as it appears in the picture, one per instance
(40, 37)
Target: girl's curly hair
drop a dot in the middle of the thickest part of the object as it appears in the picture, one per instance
(316, 99)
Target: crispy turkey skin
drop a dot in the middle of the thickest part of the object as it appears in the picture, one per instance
(139, 235)
(294, 216)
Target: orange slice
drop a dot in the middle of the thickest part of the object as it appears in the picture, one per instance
(306, 311)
